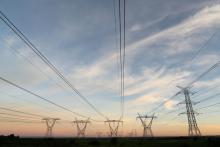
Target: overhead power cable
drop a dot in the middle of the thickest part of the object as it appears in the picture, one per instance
(32, 64)
(40, 97)
(203, 100)
(12, 119)
(120, 60)
(115, 20)
(9, 23)
(172, 119)
(120, 49)
(208, 98)
(203, 74)
(196, 54)
(204, 45)
(28, 101)
(21, 112)
(189, 85)
(208, 106)
(17, 121)
(206, 91)
(20, 116)
(164, 102)
(122, 46)
(29, 115)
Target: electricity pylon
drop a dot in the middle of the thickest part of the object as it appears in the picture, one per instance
(147, 127)
(113, 126)
(81, 127)
(193, 129)
(50, 122)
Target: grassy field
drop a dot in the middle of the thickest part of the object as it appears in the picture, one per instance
(212, 141)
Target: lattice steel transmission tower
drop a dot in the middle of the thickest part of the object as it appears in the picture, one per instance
(113, 126)
(193, 129)
(50, 122)
(81, 127)
(146, 124)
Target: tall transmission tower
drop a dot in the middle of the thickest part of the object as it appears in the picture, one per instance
(146, 124)
(81, 127)
(193, 129)
(50, 122)
(113, 126)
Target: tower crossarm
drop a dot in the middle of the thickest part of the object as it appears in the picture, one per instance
(81, 126)
(113, 127)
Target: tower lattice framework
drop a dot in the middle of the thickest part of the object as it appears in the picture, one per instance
(147, 132)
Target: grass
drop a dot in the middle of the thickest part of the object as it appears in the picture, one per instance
(11, 141)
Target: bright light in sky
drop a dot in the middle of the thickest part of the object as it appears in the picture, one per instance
(168, 44)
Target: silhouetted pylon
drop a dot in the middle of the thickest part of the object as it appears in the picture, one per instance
(81, 127)
(50, 122)
(193, 129)
(147, 132)
(113, 126)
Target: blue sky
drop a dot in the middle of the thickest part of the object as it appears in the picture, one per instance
(79, 38)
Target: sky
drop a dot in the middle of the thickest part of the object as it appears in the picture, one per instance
(168, 44)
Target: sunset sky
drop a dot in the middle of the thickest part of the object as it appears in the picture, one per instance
(168, 44)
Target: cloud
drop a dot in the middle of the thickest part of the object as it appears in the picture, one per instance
(170, 104)
(100, 74)
(146, 99)
(136, 28)
(208, 60)
(182, 37)
(207, 83)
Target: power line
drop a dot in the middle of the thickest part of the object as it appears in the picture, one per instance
(203, 100)
(21, 112)
(116, 37)
(213, 111)
(196, 54)
(172, 119)
(17, 97)
(44, 59)
(203, 74)
(17, 121)
(120, 51)
(31, 63)
(203, 46)
(122, 45)
(208, 98)
(115, 20)
(189, 85)
(12, 119)
(36, 95)
(31, 117)
(124, 61)
(161, 104)
(208, 106)
(119, 58)
(206, 91)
